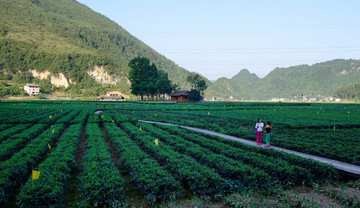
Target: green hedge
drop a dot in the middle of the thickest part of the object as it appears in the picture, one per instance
(101, 182)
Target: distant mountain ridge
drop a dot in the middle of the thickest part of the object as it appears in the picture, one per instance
(225, 89)
(245, 78)
(316, 81)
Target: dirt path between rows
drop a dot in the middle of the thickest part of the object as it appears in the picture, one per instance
(72, 192)
(113, 153)
(133, 196)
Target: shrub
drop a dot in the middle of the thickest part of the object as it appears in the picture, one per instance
(194, 96)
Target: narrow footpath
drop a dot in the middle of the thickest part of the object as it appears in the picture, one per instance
(349, 168)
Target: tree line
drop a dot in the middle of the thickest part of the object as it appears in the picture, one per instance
(351, 92)
(147, 80)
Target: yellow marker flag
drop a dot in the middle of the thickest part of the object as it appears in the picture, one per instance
(208, 113)
(155, 114)
(49, 145)
(113, 121)
(50, 116)
(35, 175)
(53, 130)
(102, 116)
(140, 128)
(334, 128)
(156, 142)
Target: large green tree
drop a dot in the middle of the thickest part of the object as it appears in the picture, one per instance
(163, 84)
(138, 75)
(147, 80)
(351, 92)
(3, 90)
(197, 82)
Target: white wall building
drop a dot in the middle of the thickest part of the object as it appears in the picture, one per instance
(278, 99)
(112, 96)
(32, 89)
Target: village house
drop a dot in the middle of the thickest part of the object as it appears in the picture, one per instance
(32, 89)
(180, 96)
(112, 96)
(278, 99)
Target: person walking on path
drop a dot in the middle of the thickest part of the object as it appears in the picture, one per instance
(259, 132)
(268, 131)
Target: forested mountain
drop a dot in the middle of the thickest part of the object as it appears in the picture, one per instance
(316, 81)
(64, 39)
(225, 89)
(245, 79)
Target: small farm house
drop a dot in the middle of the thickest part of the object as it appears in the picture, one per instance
(180, 96)
(112, 96)
(32, 89)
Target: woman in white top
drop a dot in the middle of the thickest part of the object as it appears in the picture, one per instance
(259, 128)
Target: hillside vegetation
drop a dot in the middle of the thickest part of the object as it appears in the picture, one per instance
(64, 36)
(226, 89)
(351, 91)
(316, 81)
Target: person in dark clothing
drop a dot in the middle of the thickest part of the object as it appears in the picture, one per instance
(268, 131)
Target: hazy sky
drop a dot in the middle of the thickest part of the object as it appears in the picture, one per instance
(219, 38)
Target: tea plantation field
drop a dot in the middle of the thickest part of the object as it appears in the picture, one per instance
(111, 160)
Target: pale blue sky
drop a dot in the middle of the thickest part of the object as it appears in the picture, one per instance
(219, 38)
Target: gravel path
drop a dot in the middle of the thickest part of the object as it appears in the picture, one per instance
(350, 168)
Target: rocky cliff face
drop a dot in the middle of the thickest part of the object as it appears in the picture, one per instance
(98, 74)
(101, 76)
(59, 80)
(40, 75)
